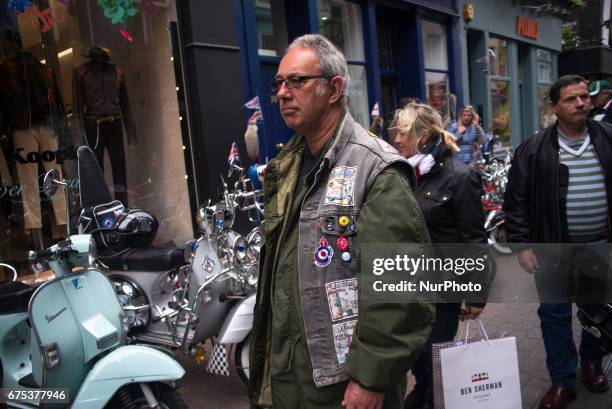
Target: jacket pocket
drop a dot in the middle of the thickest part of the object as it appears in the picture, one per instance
(438, 196)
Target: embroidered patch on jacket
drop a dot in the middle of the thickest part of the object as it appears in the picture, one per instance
(342, 298)
(343, 336)
(341, 186)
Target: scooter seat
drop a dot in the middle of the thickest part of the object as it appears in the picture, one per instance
(15, 296)
(147, 258)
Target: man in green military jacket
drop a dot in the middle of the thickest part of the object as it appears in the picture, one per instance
(332, 189)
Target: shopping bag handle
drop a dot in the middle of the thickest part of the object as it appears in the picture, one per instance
(481, 331)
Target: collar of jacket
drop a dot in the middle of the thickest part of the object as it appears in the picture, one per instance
(280, 173)
(593, 127)
(442, 155)
(339, 140)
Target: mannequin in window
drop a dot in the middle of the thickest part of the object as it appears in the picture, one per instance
(33, 112)
(101, 108)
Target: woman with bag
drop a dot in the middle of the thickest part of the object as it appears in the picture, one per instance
(448, 192)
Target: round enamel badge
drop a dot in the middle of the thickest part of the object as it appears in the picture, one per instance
(324, 254)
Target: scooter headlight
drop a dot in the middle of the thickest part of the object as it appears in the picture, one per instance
(255, 241)
(252, 275)
(240, 248)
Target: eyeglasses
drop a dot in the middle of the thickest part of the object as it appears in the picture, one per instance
(292, 82)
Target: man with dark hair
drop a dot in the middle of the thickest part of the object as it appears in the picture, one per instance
(558, 193)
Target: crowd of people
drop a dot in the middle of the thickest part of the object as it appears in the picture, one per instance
(334, 188)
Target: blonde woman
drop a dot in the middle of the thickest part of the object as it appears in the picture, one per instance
(448, 192)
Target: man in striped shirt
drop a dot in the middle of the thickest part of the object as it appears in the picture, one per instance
(558, 192)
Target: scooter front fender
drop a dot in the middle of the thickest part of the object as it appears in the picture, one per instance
(239, 322)
(125, 365)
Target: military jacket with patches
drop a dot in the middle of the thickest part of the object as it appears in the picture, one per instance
(342, 334)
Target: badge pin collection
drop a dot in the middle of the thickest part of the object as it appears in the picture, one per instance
(325, 252)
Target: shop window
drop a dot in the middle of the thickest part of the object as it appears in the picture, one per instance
(49, 106)
(500, 106)
(340, 22)
(500, 89)
(358, 94)
(498, 57)
(545, 79)
(546, 117)
(271, 27)
(434, 46)
(438, 94)
(436, 69)
(386, 47)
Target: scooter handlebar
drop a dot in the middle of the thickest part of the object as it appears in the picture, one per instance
(40, 255)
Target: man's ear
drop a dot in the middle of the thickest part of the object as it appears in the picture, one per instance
(553, 108)
(336, 88)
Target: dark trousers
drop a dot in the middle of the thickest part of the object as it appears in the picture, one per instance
(561, 354)
(109, 136)
(444, 330)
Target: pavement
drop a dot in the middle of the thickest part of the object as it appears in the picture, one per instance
(202, 390)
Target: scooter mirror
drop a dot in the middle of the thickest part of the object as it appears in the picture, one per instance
(51, 181)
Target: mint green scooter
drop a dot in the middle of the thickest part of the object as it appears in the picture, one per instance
(64, 341)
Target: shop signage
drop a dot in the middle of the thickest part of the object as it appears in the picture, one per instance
(527, 27)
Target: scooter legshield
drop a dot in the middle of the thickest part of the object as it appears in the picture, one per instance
(125, 365)
(79, 316)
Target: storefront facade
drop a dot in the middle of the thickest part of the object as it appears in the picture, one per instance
(49, 77)
(395, 50)
(230, 50)
(510, 60)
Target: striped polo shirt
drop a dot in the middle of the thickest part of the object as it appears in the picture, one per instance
(587, 206)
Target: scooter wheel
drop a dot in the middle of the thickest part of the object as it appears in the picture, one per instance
(241, 359)
(131, 397)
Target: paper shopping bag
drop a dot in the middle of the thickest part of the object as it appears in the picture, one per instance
(480, 374)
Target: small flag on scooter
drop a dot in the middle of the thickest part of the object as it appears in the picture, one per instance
(234, 156)
(253, 103)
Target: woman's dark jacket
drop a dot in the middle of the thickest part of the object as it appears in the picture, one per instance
(450, 197)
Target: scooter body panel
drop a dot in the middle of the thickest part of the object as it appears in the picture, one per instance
(210, 307)
(158, 289)
(239, 322)
(79, 314)
(125, 365)
(14, 349)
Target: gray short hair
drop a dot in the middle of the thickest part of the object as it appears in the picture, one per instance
(332, 61)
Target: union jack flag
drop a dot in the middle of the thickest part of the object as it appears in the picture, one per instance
(234, 155)
(257, 116)
(253, 103)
